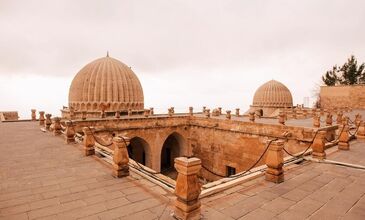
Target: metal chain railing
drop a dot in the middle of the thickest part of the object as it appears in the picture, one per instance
(305, 151)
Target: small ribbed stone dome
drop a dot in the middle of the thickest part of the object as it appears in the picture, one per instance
(273, 94)
(106, 83)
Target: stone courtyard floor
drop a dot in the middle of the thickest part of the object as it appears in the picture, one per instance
(41, 177)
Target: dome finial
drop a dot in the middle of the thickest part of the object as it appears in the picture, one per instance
(107, 53)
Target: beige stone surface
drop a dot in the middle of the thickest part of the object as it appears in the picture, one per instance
(343, 96)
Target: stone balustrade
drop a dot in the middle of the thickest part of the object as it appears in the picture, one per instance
(41, 118)
(89, 141)
(237, 112)
(70, 132)
(120, 157)
(48, 121)
(319, 146)
(188, 188)
(34, 117)
(228, 114)
(275, 161)
(57, 129)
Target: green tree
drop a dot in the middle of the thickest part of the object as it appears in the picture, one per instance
(348, 74)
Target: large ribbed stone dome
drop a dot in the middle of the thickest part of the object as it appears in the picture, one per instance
(273, 94)
(108, 84)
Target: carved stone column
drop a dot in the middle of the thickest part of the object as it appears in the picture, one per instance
(188, 188)
(41, 118)
(120, 157)
(237, 112)
(275, 162)
(57, 126)
(34, 117)
(48, 121)
(89, 141)
(228, 115)
(70, 132)
(344, 138)
(191, 111)
(361, 131)
(318, 146)
(251, 116)
(117, 114)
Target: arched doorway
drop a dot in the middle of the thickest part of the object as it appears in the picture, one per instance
(172, 148)
(139, 150)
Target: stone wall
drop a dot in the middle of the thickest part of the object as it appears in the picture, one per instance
(9, 116)
(343, 97)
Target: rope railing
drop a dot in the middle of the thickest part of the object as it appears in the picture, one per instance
(246, 171)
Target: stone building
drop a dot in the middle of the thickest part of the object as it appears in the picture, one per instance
(105, 84)
(270, 98)
(343, 96)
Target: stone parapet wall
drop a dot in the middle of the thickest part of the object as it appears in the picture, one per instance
(9, 116)
(343, 97)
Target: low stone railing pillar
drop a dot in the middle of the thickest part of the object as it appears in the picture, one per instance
(89, 141)
(41, 118)
(130, 113)
(237, 112)
(207, 113)
(282, 118)
(305, 113)
(152, 111)
(316, 121)
(251, 116)
(83, 115)
(102, 114)
(357, 121)
(57, 126)
(329, 120)
(70, 132)
(188, 188)
(117, 114)
(275, 162)
(344, 138)
(339, 118)
(204, 108)
(220, 110)
(146, 113)
(361, 131)
(170, 112)
(191, 111)
(120, 157)
(34, 117)
(319, 146)
(228, 115)
(48, 121)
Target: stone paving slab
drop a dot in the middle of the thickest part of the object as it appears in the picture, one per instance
(41, 177)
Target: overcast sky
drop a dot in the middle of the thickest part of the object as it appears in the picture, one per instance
(214, 53)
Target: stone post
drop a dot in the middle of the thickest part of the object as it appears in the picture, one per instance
(344, 138)
(322, 111)
(83, 115)
(339, 118)
(70, 132)
(120, 157)
(152, 111)
(117, 114)
(316, 121)
(102, 114)
(251, 116)
(207, 113)
(191, 111)
(34, 117)
(361, 131)
(173, 110)
(188, 188)
(228, 115)
(318, 146)
(72, 113)
(89, 141)
(329, 119)
(130, 113)
(57, 126)
(282, 118)
(170, 113)
(220, 110)
(305, 113)
(41, 118)
(204, 108)
(48, 121)
(357, 120)
(294, 113)
(237, 112)
(146, 113)
(275, 162)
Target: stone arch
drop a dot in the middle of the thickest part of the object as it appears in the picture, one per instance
(172, 147)
(140, 151)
